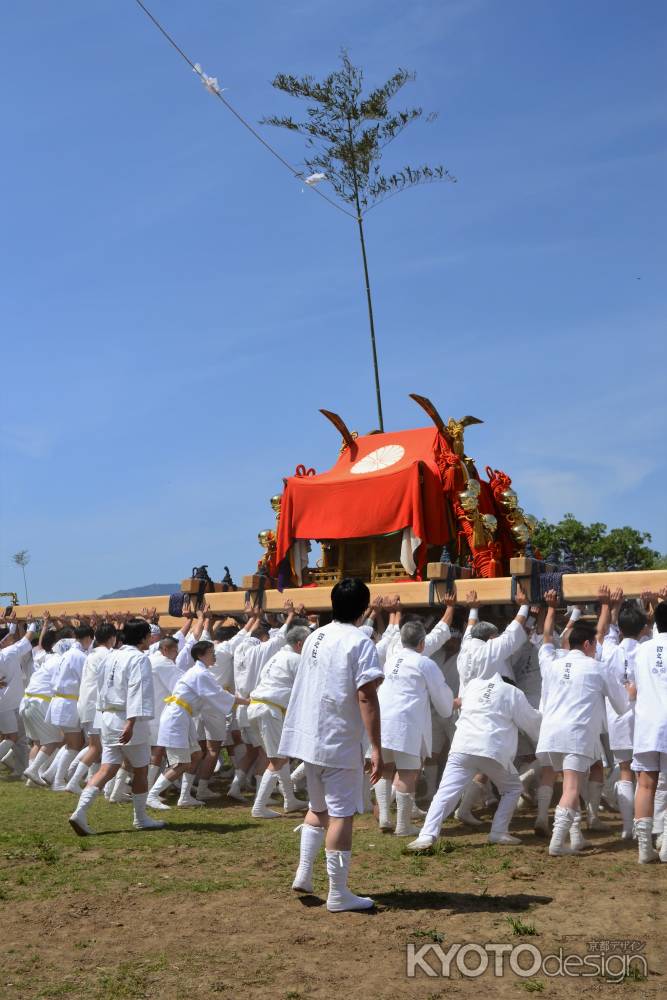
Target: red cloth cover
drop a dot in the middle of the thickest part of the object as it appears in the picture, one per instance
(342, 504)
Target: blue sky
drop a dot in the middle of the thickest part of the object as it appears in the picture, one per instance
(175, 308)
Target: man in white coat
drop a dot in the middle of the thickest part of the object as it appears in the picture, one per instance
(62, 710)
(38, 693)
(493, 710)
(267, 709)
(574, 687)
(165, 672)
(619, 651)
(412, 682)
(88, 760)
(13, 647)
(484, 652)
(249, 658)
(195, 691)
(126, 704)
(650, 733)
(334, 699)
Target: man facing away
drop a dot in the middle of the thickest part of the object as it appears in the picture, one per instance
(334, 698)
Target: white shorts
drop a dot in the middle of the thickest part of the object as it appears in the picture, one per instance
(250, 736)
(181, 755)
(9, 722)
(649, 761)
(621, 756)
(213, 728)
(403, 761)
(266, 723)
(90, 729)
(137, 754)
(336, 790)
(37, 729)
(565, 761)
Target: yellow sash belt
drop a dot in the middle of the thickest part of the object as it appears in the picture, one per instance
(173, 700)
(265, 701)
(70, 697)
(44, 697)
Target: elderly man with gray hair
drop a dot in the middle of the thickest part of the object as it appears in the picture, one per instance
(266, 713)
(412, 682)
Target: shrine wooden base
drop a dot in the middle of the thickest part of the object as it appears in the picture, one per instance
(576, 588)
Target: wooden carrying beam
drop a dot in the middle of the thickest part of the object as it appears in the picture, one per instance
(576, 587)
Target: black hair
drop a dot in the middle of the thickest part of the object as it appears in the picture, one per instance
(349, 599)
(661, 616)
(66, 632)
(4, 632)
(582, 632)
(104, 632)
(225, 632)
(167, 641)
(135, 631)
(200, 649)
(631, 620)
(83, 632)
(508, 680)
(50, 639)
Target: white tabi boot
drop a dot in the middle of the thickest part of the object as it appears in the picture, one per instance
(544, 796)
(312, 839)
(79, 818)
(260, 809)
(186, 799)
(161, 785)
(563, 820)
(39, 761)
(47, 774)
(141, 821)
(238, 783)
(625, 797)
(663, 844)
(383, 799)
(340, 898)
(60, 779)
(404, 827)
(593, 821)
(292, 804)
(644, 831)
(577, 841)
(77, 778)
(121, 790)
(204, 793)
(470, 798)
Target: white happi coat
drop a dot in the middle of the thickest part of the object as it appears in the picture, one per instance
(12, 674)
(155, 646)
(525, 663)
(574, 687)
(223, 671)
(478, 658)
(492, 712)
(650, 735)
(323, 723)
(126, 692)
(165, 674)
(277, 678)
(619, 656)
(88, 691)
(41, 681)
(197, 693)
(249, 658)
(390, 641)
(411, 682)
(66, 683)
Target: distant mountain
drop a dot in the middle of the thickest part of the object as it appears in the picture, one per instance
(151, 590)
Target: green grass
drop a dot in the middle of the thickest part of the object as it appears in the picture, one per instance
(432, 935)
(520, 927)
(532, 985)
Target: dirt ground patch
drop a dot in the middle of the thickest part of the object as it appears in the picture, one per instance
(205, 909)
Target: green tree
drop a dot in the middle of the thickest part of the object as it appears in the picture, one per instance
(596, 548)
(346, 135)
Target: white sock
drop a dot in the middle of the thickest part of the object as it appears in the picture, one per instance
(86, 799)
(544, 796)
(63, 765)
(153, 771)
(186, 785)
(383, 799)
(285, 784)
(625, 795)
(267, 784)
(5, 747)
(49, 772)
(80, 771)
(298, 772)
(39, 761)
(139, 805)
(594, 796)
(161, 785)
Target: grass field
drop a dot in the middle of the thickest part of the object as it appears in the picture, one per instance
(204, 908)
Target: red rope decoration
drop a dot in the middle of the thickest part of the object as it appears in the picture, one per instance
(301, 470)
